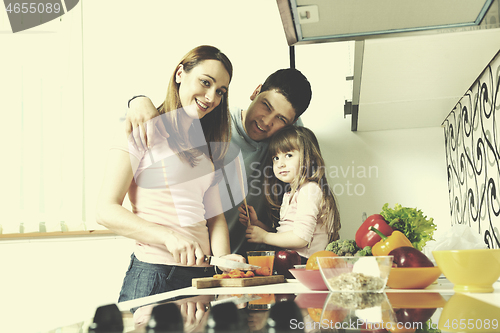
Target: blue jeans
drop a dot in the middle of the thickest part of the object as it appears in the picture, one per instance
(144, 279)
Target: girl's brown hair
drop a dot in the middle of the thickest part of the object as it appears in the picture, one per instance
(216, 125)
(311, 169)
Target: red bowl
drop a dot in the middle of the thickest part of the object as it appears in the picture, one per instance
(311, 279)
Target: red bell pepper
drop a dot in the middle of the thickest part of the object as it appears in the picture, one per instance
(366, 237)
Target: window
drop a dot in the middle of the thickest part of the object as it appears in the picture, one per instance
(43, 187)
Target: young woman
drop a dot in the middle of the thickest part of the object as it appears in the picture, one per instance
(299, 191)
(176, 217)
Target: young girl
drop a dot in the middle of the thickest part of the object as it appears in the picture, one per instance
(177, 216)
(308, 214)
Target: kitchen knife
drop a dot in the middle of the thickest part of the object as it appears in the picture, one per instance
(229, 263)
(236, 300)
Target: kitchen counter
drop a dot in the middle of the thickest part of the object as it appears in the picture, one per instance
(437, 305)
(442, 286)
(448, 310)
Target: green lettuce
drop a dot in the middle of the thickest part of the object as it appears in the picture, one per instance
(411, 222)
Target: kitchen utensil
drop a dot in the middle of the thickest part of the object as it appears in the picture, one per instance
(210, 282)
(472, 271)
(355, 274)
(310, 279)
(242, 186)
(264, 259)
(265, 302)
(239, 299)
(476, 315)
(416, 300)
(370, 310)
(311, 300)
(220, 262)
(412, 277)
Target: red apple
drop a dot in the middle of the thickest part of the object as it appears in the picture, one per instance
(284, 260)
(407, 256)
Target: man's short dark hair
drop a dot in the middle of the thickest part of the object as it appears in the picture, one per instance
(292, 84)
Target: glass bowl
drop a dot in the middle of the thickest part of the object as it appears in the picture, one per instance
(355, 274)
(364, 312)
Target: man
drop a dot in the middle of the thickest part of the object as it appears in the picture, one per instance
(277, 103)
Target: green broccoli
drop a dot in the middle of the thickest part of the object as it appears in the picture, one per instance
(343, 248)
(366, 251)
(333, 246)
(348, 248)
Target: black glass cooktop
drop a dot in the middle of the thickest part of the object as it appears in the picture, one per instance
(305, 312)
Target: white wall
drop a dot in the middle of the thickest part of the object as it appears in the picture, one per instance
(398, 166)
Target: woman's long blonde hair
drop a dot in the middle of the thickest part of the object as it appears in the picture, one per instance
(311, 169)
(216, 125)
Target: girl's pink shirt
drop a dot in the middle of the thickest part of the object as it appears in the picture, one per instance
(168, 191)
(300, 215)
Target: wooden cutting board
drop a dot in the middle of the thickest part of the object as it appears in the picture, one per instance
(210, 282)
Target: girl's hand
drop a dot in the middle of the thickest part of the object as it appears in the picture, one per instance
(243, 215)
(255, 234)
(184, 251)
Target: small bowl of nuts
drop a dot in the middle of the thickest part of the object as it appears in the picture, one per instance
(355, 274)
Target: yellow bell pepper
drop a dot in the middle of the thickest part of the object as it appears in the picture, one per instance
(389, 243)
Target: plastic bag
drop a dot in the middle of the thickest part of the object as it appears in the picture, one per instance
(458, 237)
